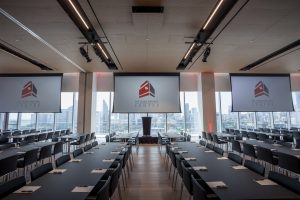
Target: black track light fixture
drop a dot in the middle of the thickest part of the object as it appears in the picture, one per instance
(85, 53)
(206, 54)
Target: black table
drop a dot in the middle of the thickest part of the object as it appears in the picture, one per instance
(241, 182)
(274, 147)
(20, 151)
(59, 186)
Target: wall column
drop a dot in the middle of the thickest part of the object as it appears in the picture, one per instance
(87, 103)
(207, 101)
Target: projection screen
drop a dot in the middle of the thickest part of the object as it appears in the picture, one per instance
(261, 93)
(146, 93)
(30, 93)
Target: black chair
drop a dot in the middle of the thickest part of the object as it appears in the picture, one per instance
(42, 137)
(79, 142)
(249, 150)
(58, 148)
(87, 138)
(285, 181)
(289, 162)
(204, 136)
(255, 167)
(93, 136)
(236, 158)
(216, 140)
(202, 142)
(252, 135)
(262, 137)
(114, 182)
(266, 155)
(30, 158)
(236, 146)
(244, 134)
(49, 136)
(45, 152)
(209, 137)
(186, 177)
(218, 150)
(100, 190)
(202, 192)
(61, 160)
(40, 171)
(77, 152)
(8, 165)
(179, 159)
(210, 146)
(11, 186)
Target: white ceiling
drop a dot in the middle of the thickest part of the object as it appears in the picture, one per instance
(151, 42)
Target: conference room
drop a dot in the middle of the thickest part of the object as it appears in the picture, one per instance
(143, 100)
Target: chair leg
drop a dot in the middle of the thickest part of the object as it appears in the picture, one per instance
(181, 188)
(175, 181)
(119, 191)
(123, 181)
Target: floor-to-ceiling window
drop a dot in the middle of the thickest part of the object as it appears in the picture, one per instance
(12, 121)
(247, 120)
(229, 119)
(64, 120)
(27, 121)
(103, 112)
(176, 121)
(45, 121)
(263, 120)
(135, 122)
(191, 112)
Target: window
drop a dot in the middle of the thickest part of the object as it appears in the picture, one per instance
(280, 120)
(64, 120)
(12, 121)
(191, 112)
(45, 121)
(176, 121)
(263, 120)
(158, 123)
(102, 112)
(135, 122)
(247, 120)
(119, 121)
(229, 119)
(295, 116)
(219, 120)
(27, 121)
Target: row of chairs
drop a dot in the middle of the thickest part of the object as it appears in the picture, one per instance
(30, 157)
(286, 162)
(213, 139)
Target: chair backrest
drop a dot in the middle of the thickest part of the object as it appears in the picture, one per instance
(285, 181)
(61, 160)
(262, 137)
(93, 135)
(50, 135)
(77, 152)
(114, 179)
(252, 135)
(255, 167)
(289, 162)
(249, 150)
(209, 137)
(201, 191)
(81, 139)
(107, 138)
(45, 152)
(58, 148)
(40, 171)
(8, 165)
(186, 178)
(179, 158)
(3, 139)
(172, 157)
(87, 137)
(188, 138)
(6, 133)
(244, 134)
(103, 193)
(265, 154)
(210, 146)
(218, 150)
(31, 156)
(202, 142)
(56, 134)
(236, 158)
(42, 136)
(236, 146)
(11, 186)
(30, 138)
(215, 138)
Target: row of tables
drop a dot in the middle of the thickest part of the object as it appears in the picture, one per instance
(77, 174)
(240, 183)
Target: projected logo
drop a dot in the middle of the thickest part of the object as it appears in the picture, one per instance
(146, 89)
(261, 89)
(29, 89)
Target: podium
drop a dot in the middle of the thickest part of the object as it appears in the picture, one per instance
(146, 126)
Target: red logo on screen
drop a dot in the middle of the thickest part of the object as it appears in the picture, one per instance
(146, 89)
(29, 89)
(261, 89)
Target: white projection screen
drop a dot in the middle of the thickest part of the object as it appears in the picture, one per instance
(261, 93)
(30, 93)
(146, 93)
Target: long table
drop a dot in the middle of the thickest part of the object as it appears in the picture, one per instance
(20, 151)
(274, 147)
(241, 183)
(60, 186)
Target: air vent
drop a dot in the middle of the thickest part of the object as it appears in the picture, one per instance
(147, 9)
